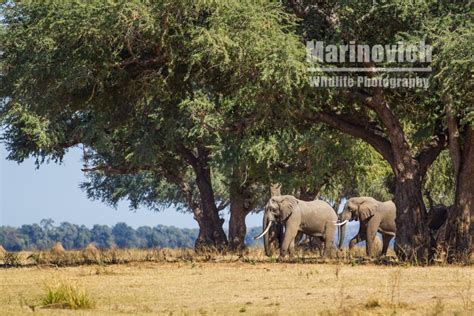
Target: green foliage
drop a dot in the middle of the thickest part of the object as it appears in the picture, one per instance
(446, 26)
(453, 41)
(439, 180)
(138, 84)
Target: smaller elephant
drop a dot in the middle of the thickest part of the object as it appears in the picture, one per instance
(374, 216)
(314, 218)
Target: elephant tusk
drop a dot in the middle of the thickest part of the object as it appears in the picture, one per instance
(264, 232)
(342, 223)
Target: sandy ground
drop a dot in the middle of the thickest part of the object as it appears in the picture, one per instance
(238, 288)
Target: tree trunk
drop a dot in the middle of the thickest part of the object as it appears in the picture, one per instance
(237, 227)
(207, 232)
(459, 232)
(213, 233)
(305, 194)
(412, 240)
(205, 239)
(239, 209)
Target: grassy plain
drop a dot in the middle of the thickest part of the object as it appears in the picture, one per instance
(232, 286)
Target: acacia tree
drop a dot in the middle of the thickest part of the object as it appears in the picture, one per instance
(405, 127)
(145, 88)
(453, 38)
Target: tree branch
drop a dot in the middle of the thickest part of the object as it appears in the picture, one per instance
(400, 147)
(119, 170)
(429, 154)
(344, 124)
(188, 155)
(298, 8)
(454, 139)
(222, 205)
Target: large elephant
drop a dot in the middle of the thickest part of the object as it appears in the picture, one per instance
(315, 218)
(374, 216)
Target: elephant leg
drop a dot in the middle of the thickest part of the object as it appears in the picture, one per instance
(328, 248)
(386, 242)
(288, 239)
(361, 236)
(329, 240)
(355, 240)
(320, 245)
(291, 249)
(372, 228)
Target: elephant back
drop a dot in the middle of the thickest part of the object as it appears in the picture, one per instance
(321, 207)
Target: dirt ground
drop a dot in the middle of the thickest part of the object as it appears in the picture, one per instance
(238, 288)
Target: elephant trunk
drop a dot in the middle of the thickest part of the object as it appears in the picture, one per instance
(343, 218)
(266, 238)
(342, 234)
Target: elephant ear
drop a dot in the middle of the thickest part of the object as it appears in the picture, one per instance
(287, 204)
(366, 209)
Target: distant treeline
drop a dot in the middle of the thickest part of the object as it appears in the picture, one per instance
(44, 235)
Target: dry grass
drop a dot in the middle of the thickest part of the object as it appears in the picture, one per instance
(68, 295)
(91, 255)
(183, 284)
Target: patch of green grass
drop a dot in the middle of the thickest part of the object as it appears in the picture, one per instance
(66, 295)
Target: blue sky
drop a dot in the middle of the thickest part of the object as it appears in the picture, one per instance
(28, 195)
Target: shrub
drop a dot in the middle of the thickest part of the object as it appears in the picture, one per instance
(372, 303)
(91, 254)
(12, 259)
(66, 295)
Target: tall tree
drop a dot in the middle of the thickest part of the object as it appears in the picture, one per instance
(453, 38)
(143, 86)
(405, 127)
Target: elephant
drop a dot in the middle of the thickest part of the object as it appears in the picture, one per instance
(374, 216)
(437, 216)
(314, 218)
